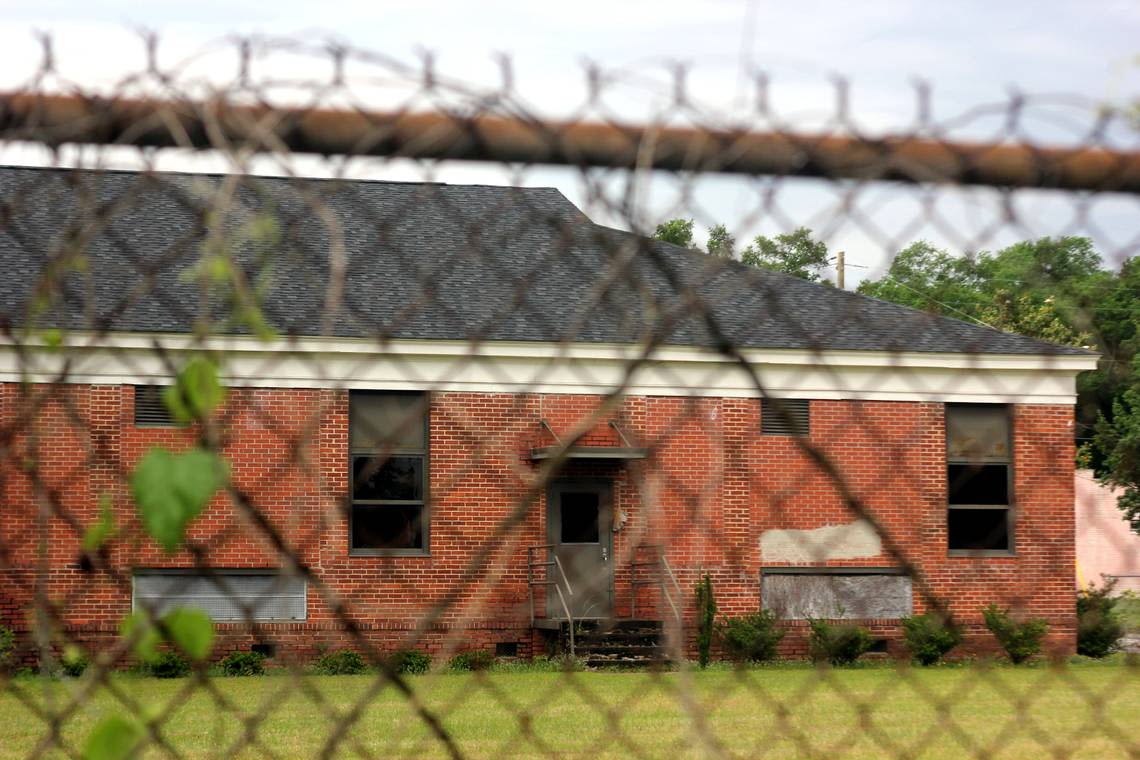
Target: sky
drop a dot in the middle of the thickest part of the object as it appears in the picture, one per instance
(1068, 58)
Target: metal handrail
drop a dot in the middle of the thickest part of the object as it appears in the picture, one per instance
(565, 581)
(665, 578)
(668, 572)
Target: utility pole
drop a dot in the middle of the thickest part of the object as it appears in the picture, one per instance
(840, 268)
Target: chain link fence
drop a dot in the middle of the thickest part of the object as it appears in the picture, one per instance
(474, 468)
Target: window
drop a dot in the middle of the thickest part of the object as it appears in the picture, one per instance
(224, 595)
(784, 416)
(150, 409)
(979, 478)
(388, 453)
(848, 593)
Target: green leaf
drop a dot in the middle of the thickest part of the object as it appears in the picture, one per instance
(146, 636)
(53, 338)
(114, 738)
(196, 391)
(192, 631)
(170, 490)
(98, 533)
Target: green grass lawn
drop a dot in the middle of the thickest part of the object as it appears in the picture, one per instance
(1090, 710)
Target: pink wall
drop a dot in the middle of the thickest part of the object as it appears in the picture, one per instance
(1106, 544)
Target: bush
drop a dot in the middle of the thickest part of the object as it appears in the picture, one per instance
(706, 616)
(243, 664)
(73, 663)
(1020, 640)
(476, 659)
(7, 646)
(839, 644)
(343, 663)
(168, 665)
(1098, 626)
(752, 638)
(410, 661)
(929, 637)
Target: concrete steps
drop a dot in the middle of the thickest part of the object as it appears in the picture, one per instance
(620, 643)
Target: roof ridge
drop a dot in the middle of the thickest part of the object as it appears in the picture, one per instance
(281, 177)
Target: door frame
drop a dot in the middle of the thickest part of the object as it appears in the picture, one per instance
(605, 489)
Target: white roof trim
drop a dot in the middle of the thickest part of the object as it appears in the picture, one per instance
(515, 367)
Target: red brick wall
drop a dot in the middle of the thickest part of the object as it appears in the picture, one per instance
(709, 490)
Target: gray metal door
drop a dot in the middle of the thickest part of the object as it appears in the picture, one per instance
(579, 516)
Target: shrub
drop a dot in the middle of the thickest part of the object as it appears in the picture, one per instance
(1098, 626)
(706, 617)
(343, 663)
(1020, 640)
(476, 659)
(410, 661)
(73, 663)
(752, 638)
(243, 664)
(839, 644)
(929, 637)
(7, 646)
(168, 665)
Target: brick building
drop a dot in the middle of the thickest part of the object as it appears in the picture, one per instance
(495, 374)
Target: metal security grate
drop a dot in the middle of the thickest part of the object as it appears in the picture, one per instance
(150, 409)
(788, 416)
(223, 595)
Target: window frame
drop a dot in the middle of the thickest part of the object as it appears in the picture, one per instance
(1011, 498)
(424, 503)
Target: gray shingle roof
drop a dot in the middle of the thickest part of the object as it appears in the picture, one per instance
(123, 251)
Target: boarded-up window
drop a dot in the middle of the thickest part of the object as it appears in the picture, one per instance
(846, 595)
(388, 452)
(785, 416)
(224, 595)
(979, 477)
(150, 409)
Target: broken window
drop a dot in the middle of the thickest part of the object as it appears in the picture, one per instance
(150, 409)
(388, 453)
(979, 477)
(784, 416)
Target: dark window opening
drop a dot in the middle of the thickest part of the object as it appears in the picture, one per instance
(579, 511)
(387, 526)
(785, 416)
(388, 452)
(265, 650)
(395, 478)
(979, 529)
(978, 483)
(507, 649)
(979, 477)
(150, 408)
(878, 646)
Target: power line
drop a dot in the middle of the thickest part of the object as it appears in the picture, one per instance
(932, 299)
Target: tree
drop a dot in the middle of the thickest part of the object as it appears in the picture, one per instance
(1022, 314)
(929, 278)
(676, 231)
(794, 253)
(721, 242)
(1118, 442)
(1042, 288)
